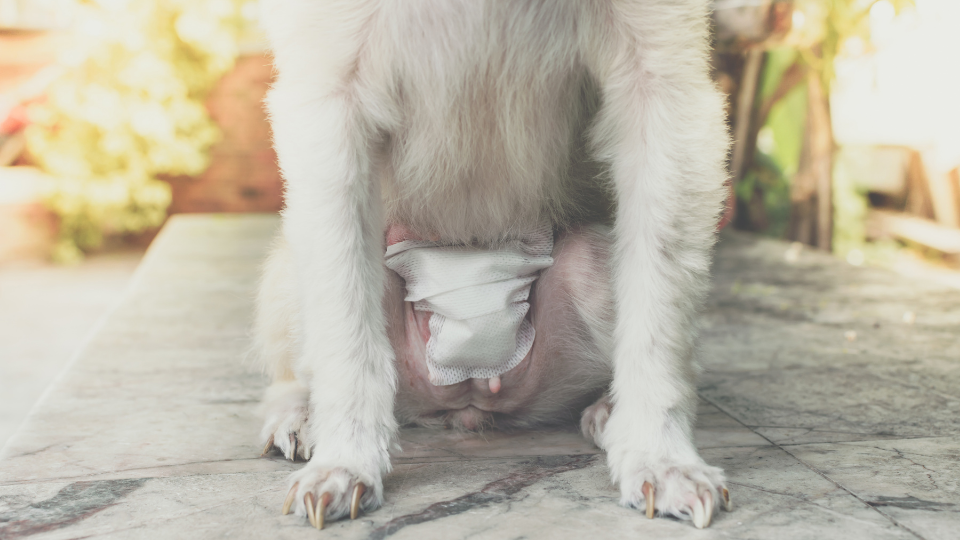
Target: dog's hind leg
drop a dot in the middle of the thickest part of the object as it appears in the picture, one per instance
(277, 340)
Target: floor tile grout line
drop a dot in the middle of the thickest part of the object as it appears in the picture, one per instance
(820, 473)
(796, 498)
(96, 475)
(153, 521)
(413, 461)
(891, 439)
(451, 458)
(837, 431)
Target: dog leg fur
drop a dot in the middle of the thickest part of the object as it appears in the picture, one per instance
(332, 224)
(285, 405)
(661, 130)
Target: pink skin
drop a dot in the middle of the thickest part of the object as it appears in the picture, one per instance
(472, 404)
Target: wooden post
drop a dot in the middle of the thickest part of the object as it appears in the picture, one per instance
(745, 99)
(919, 202)
(811, 220)
(944, 194)
(822, 144)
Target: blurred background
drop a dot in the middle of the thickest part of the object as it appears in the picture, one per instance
(115, 114)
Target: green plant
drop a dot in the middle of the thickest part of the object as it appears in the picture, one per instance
(794, 149)
(831, 25)
(129, 109)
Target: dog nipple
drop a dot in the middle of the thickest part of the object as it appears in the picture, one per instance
(495, 384)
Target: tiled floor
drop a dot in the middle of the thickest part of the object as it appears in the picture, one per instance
(46, 312)
(830, 397)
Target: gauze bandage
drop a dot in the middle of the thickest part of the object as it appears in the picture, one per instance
(478, 329)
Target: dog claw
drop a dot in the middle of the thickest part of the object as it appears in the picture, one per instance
(648, 494)
(293, 444)
(267, 447)
(308, 503)
(699, 515)
(322, 510)
(355, 501)
(289, 500)
(707, 508)
(727, 504)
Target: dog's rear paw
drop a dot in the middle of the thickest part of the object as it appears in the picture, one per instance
(286, 409)
(687, 491)
(594, 419)
(323, 494)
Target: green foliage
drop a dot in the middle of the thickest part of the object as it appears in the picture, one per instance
(830, 23)
(128, 109)
(846, 21)
(827, 26)
(766, 194)
(850, 211)
(788, 115)
(766, 186)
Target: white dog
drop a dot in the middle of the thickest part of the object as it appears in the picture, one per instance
(567, 156)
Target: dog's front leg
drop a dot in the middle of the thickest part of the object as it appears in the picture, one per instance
(333, 225)
(661, 130)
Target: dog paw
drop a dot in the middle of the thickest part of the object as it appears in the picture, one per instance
(286, 411)
(324, 494)
(687, 491)
(594, 419)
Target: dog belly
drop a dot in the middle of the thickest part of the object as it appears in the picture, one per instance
(488, 105)
(565, 368)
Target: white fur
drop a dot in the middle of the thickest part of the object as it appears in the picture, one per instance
(286, 410)
(471, 120)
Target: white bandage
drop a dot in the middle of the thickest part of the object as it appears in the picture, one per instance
(478, 329)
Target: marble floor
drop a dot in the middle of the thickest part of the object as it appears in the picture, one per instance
(830, 395)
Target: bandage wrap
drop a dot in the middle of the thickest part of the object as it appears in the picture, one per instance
(478, 297)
